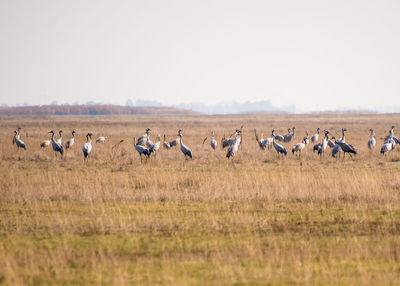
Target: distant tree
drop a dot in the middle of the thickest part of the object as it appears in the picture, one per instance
(129, 102)
(54, 102)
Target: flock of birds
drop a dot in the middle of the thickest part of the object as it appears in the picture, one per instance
(145, 147)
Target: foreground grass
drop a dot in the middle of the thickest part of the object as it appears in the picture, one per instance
(200, 243)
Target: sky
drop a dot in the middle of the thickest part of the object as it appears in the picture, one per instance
(317, 55)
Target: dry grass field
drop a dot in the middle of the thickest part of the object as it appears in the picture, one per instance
(259, 220)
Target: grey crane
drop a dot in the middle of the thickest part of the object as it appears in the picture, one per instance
(306, 139)
(143, 139)
(387, 147)
(316, 146)
(101, 139)
(141, 150)
(391, 134)
(58, 148)
(346, 148)
(45, 143)
(336, 150)
(289, 136)
(174, 142)
(314, 138)
(17, 135)
(260, 141)
(234, 147)
(279, 148)
(87, 147)
(329, 143)
(300, 146)
(263, 143)
(279, 137)
(185, 150)
(166, 144)
(18, 141)
(324, 144)
(372, 141)
(71, 141)
(213, 142)
(225, 142)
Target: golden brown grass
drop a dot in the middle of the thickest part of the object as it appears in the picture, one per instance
(259, 220)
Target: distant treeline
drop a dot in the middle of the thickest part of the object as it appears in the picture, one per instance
(92, 110)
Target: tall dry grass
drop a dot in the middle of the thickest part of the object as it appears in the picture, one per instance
(205, 221)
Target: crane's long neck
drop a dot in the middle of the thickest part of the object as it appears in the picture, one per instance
(372, 134)
(180, 139)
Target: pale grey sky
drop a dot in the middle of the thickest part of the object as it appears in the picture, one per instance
(314, 54)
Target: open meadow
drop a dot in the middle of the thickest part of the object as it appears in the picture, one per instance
(257, 220)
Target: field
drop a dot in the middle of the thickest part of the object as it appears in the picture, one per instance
(257, 220)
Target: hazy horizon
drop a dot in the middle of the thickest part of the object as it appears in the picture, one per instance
(314, 55)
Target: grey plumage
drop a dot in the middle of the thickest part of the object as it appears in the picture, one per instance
(324, 144)
(372, 141)
(234, 147)
(298, 148)
(87, 147)
(166, 144)
(346, 148)
(71, 141)
(263, 143)
(314, 138)
(391, 134)
(289, 136)
(142, 140)
(185, 150)
(17, 140)
(386, 147)
(141, 150)
(58, 148)
(279, 148)
(213, 142)
(336, 150)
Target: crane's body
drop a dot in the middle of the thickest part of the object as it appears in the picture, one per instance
(372, 140)
(71, 141)
(87, 147)
(57, 148)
